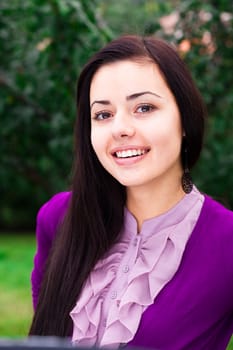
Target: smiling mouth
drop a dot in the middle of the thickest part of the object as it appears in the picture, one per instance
(130, 153)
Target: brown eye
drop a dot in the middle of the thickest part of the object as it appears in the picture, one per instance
(102, 115)
(145, 108)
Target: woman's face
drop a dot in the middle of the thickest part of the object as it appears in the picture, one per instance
(136, 129)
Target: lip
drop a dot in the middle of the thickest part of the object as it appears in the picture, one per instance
(129, 160)
(127, 148)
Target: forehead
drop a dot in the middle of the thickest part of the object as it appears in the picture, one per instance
(127, 76)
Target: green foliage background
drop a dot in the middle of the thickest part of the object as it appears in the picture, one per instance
(45, 43)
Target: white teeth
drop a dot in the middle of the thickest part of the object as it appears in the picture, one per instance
(130, 153)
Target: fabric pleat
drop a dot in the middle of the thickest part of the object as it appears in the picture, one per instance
(128, 279)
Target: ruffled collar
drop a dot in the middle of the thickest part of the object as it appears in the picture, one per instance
(171, 217)
(111, 304)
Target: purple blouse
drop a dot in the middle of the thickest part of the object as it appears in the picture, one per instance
(130, 276)
(192, 308)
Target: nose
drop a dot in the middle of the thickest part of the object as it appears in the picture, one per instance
(123, 126)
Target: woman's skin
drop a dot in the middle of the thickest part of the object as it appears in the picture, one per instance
(136, 133)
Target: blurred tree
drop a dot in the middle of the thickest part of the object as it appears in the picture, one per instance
(44, 44)
(204, 34)
(134, 16)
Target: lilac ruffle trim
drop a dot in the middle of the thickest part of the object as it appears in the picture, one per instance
(157, 260)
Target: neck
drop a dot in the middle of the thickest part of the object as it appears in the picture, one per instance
(145, 203)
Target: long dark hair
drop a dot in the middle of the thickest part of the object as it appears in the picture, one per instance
(95, 214)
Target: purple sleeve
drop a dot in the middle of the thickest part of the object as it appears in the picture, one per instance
(48, 218)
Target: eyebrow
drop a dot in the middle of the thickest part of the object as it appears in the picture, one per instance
(138, 94)
(128, 98)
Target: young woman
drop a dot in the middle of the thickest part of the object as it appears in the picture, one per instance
(134, 254)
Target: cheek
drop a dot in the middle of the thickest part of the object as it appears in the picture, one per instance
(166, 135)
(167, 139)
(172, 132)
(93, 140)
(97, 141)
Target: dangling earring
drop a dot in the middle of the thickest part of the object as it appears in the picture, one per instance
(186, 179)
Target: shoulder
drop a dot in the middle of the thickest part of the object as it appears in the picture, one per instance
(52, 212)
(216, 215)
(214, 230)
(48, 219)
(212, 242)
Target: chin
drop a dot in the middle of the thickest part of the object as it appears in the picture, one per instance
(130, 183)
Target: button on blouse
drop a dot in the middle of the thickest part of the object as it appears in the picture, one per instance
(130, 276)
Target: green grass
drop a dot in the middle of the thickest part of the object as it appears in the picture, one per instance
(16, 258)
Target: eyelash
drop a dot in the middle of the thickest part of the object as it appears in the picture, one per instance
(148, 106)
(98, 114)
